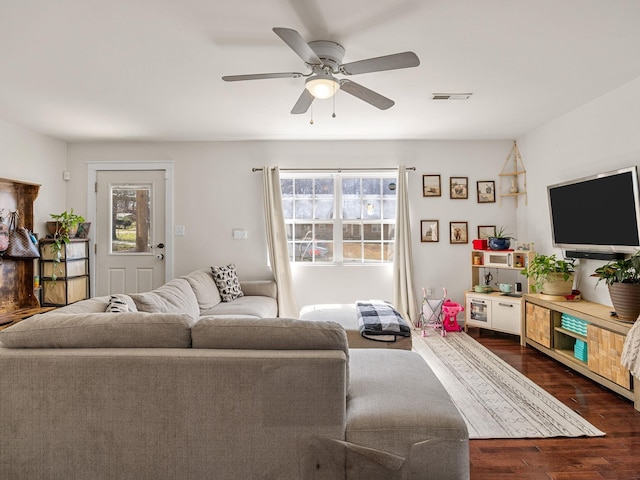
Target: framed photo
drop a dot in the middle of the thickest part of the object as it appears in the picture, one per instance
(486, 191)
(459, 232)
(431, 186)
(486, 231)
(429, 230)
(459, 187)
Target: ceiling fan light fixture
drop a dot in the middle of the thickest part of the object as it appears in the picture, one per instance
(322, 85)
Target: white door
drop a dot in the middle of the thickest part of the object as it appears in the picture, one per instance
(130, 229)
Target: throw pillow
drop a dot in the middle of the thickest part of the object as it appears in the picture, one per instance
(120, 304)
(226, 279)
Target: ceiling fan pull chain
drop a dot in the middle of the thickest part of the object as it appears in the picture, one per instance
(333, 115)
(311, 110)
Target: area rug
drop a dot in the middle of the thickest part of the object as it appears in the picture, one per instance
(495, 399)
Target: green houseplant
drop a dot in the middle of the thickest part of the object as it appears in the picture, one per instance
(623, 280)
(66, 226)
(501, 240)
(551, 276)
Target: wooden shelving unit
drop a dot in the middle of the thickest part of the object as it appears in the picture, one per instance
(604, 339)
(514, 171)
(18, 298)
(72, 272)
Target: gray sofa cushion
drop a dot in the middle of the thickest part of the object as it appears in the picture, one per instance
(259, 307)
(90, 305)
(175, 296)
(397, 406)
(100, 330)
(268, 334)
(262, 288)
(205, 288)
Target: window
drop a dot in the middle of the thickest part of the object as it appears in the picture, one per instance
(339, 218)
(130, 218)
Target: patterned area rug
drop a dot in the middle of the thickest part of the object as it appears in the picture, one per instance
(496, 400)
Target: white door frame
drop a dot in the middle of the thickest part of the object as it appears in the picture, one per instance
(92, 177)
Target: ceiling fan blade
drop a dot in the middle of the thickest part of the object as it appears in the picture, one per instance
(303, 103)
(363, 93)
(298, 45)
(261, 76)
(378, 64)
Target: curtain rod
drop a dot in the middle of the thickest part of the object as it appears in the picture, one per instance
(338, 169)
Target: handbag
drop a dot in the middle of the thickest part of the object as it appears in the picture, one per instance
(21, 243)
(4, 234)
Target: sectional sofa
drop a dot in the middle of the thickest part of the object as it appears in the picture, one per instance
(189, 390)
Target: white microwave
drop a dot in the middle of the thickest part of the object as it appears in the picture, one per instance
(498, 259)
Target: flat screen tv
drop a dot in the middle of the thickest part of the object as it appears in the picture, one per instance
(596, 214)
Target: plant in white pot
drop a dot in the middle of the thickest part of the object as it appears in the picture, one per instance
(623, 279)
(551, 275)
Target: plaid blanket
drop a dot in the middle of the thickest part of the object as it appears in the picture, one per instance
(378, 320)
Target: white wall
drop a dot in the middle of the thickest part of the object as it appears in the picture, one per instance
(215, 191)
(599, 136)
(35, 158)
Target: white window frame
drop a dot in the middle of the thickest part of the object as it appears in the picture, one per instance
(339, 223)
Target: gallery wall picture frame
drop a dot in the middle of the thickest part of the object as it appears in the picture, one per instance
(486, 191)
(429, 231)
(486, 231)
(431, 186)
(458, 232)
(459, 188)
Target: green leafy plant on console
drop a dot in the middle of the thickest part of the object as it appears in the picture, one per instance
(66, 226)
(546, 268)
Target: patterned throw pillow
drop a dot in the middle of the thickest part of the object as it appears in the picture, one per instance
(226, 279)
(118, 304)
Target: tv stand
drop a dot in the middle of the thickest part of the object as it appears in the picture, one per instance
(589, 325)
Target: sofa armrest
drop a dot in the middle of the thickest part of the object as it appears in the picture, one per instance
(261, 288)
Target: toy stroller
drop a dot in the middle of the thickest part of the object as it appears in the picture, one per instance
(431, 315)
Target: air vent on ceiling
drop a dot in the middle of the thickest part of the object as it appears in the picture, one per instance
(451, 96)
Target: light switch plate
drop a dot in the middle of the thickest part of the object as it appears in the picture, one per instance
(239, 233)
(179, 231)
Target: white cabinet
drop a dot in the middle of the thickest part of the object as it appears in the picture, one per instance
(493, 311)
(506, 315)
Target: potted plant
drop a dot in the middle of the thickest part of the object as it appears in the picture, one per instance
(623, 279)
(501, 240)
(66, 226)
(551, 276)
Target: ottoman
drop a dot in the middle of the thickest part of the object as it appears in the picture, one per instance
(345, 315)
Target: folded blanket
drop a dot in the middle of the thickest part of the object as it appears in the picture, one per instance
(378, 320)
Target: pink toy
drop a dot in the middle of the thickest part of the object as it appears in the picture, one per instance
(450, 310)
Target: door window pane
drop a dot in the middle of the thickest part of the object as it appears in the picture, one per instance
(130, 219)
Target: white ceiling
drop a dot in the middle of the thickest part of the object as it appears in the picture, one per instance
(84, 70)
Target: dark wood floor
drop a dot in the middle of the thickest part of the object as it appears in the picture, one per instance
(614, 456)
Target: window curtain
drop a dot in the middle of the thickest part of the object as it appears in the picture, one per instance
(403, 293)
(277, 242)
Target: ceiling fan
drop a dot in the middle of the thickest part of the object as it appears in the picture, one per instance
(324, 58)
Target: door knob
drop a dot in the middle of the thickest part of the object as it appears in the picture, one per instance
(160, 256)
